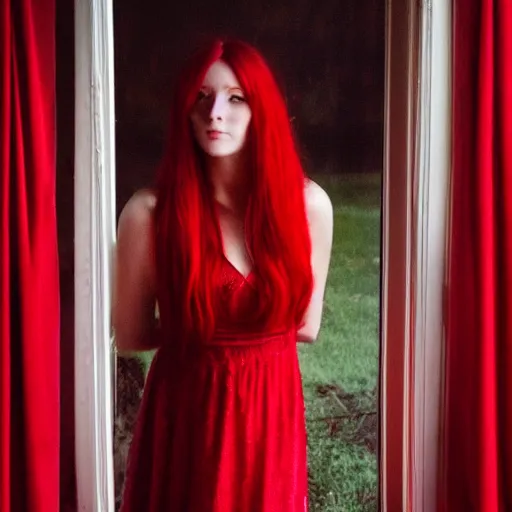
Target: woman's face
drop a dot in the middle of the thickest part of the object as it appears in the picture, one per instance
(221, 116)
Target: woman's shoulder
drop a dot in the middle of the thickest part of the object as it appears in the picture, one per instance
(318, 202)
(137, 214)
(144, 200)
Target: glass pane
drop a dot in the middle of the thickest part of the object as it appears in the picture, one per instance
(329, 60)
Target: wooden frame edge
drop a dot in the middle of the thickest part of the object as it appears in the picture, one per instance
(94, 241)
(415, 211)
(400, 113)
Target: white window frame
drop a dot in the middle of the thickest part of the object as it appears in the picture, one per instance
(94, 242)
(417, 167)
(415, 187)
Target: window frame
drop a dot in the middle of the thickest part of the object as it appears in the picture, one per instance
(414, 225)
(415, 221)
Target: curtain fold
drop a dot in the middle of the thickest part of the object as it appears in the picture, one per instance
(29, 282)
(477, 450)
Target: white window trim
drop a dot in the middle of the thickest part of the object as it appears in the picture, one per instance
(415, 184)
(431, 211)
(415, 212)
(94, 242)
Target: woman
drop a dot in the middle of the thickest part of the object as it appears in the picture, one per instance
(234, 247)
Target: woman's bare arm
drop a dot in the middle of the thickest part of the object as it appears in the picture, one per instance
(134, 298)
(320, 219)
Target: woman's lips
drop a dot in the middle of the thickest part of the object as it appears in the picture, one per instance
(214, 134)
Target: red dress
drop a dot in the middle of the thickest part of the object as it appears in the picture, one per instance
(224, 430)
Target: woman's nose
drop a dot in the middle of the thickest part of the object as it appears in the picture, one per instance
(217, 109)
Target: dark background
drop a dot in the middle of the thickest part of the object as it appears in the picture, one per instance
(328, 56)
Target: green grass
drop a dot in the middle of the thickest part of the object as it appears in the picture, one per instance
(343, 474)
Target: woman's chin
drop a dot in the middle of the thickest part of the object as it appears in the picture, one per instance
(217, 152)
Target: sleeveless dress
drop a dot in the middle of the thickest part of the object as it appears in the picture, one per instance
(222, 430)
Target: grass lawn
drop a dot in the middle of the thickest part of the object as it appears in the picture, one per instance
(340, 370)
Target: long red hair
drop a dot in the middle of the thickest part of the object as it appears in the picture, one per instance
(188, 245)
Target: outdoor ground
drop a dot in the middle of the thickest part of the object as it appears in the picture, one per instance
(340, 371)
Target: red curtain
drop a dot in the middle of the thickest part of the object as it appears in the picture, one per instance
(477, 455)
(29, 317)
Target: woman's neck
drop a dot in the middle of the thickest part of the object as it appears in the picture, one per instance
(230, 178)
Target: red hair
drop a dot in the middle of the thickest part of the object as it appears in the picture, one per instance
(188, 244)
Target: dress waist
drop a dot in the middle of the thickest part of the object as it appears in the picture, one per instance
(231, 343)
(237, 339)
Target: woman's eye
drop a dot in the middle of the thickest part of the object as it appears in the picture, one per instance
(237, 99)
(201, 95)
